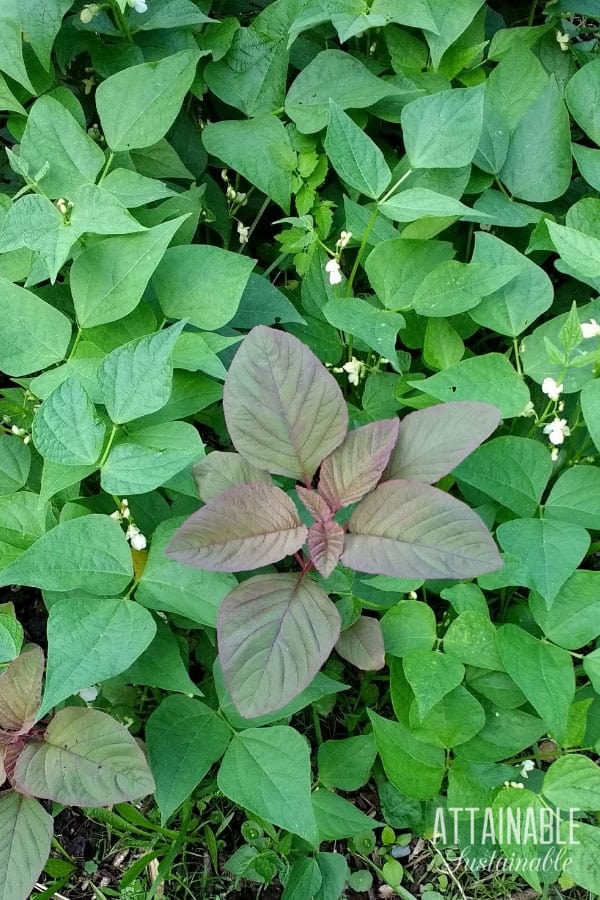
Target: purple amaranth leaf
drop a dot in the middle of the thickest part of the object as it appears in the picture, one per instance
(218, 472)
(362, 644)
(25, 837)
(355, 467)
(248, 526)
(314, 503)
(274, 633)
(283, 409)
(20, 692)
(325, 542)
(2, 769)
(410, 530)
(433, 441)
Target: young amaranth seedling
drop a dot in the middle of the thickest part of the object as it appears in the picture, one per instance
(286, 415)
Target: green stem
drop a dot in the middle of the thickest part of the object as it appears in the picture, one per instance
(502, 189)
(517, 356)
(107, 449)
(122, 23)
(317, 726)
(107, 165)
(361, 250)
(395, 186)
(531, 16)
(75, 344)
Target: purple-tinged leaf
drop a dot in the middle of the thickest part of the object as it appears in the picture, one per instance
(433, 441)
(362, 644)
(355, 467)
(325, 542)
(248, 526)
(410, 530)
(86, 758)
(314, 503)
(284, 411)
(274, 632)
(25, 838)
(20, 692)
(218, 472)
(2, 769)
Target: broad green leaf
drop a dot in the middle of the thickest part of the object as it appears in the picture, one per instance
(260, 150)
(466, 598)
(11, 45)
(578, 250)
(505, 733)
(88, 553)
(573, 620)
(161, 664)
(395, 268)
(263, 304)
(355, 157)
(521, 802)
(304, 880)
(335, 873)
(414, 767)
(543, 672)
(20, 691)
(15, 461)
(442, 130)
(332, 75)
(284, 411)
(184, 738)
(513, 306)
(337, 818)
(91, 641)
(362, 644)
(133, 189)
(431, 675)
(66, 428)
(135, 379)
(197, 352)
(56, 477)
(411, 530)
(219, 471)
(408, 625)
(378, 328)
(590, 407)
(454, 720)
(275, 632)
(433, 441)
(549, 550)
(33, 334)
(8, 101)
(419, 203)
(583, 863)
(588, 163)
(172, 587)
(583, 98)
(53, 136)
(453, 287)
(147, 458)
(201, 283)
(325, 542)
(248, 526)
(575, 497)
(497, 687)
(505, 212)
(591, 667)
(346, 764)
(573, 781)
(138, 105)
(11, 639)
(41, 21)
(172, 14)
(471, 638)
(538, 164)
(355, 467)
(495, 134)
(86, 758)
(25, 837)
(451, 18)
(511, 470)
(267, 771)
(109, 278)
(489, 378)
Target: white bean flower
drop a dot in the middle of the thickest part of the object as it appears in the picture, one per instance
(551, 389)
(332, 267)
(557, 431)
(527, 766)
(355, 369)
(140, 6)
(590, 329)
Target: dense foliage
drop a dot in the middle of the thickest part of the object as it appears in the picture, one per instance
(308, 287)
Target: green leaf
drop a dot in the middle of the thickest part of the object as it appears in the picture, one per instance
(11, 44)
(66, 429)
(530, 853)
(263, 304)
(346, 764)
(56, 477)
(89, 553)
(543, 672)
(11, 639)
(583, 864)
(453, 721)
(378, 328)
(137, 106)
(453, 287)
(408, 625)
(267, 771)
(505, 733)
(135, 379)
(25, 837)
(489, 378)
(161, 664)
(260, 150)
(550, 551)
(358, 161)
(33, 334)
(431, 675)
(575, 497)
(147, 458)
(109, 278)
(172, 14)
(395, 268)
(335, 872)
(332, 75)
(578, 250)
(53, 137)
(443, 130)
(511, 470)
(304, 880)
(414, 767)
(132, 189)
(590, 407)
(419, 203)
(41, 21)
(591, 667)
(201, 283)
(15, 460)
(268, 664)
(588, 163)
(573, 781)
(86, 758)
(573, 620)
(337, 818)
(8, 101)
(583, 98)
(184, 738)
(451, 18)
(471, 638)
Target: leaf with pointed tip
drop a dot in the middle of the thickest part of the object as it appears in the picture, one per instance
(431, 675)
(325, 542)
(20, 691)
(433, 441)
(355, 467)
(219, 471)
(274, 632)
(410, 530)
(85, 759)
(362, 644)
(25, 836)
(248, 526)
(66, 429)
(314, 503)
(283, 409)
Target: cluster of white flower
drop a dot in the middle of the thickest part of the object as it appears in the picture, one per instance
(557, 430)
(355, 369)
(551, 389)
(513, 784)
(133, 534)
(590, 329)
(527, 766)
(21, 432)
(332, 266)
(140, 6)
(243, 232)
(88, 12)
(89, 694)
(562, 40)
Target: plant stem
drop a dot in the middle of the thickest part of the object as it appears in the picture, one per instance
(122, 23)
(517, 356)
(531, 16)
(317, 726)
(107, 449)
(107, 165)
